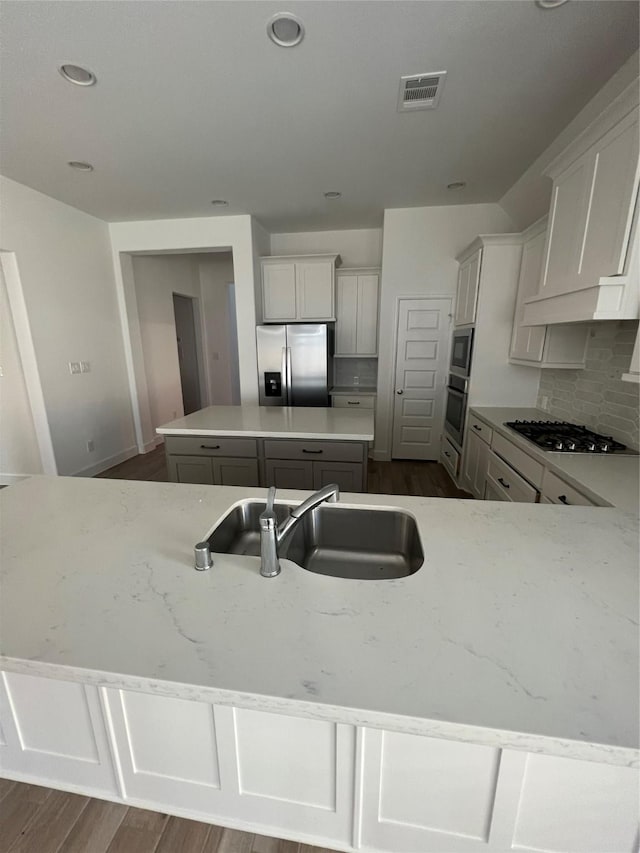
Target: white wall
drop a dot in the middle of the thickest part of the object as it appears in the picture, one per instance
(221, 349)
(19, 452)
(157, 278)
(201, 234)
(65, 266)
(529, 198)
(419, 251)
(357, 247)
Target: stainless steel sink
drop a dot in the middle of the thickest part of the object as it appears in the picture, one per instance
(343, 542)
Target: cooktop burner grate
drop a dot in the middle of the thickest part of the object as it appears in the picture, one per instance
(563, 437)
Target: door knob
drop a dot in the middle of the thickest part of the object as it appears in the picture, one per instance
(400, 391)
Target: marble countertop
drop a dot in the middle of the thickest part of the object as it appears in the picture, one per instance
(520, 629)
(275, 422)
(348, 390)
(607, 480)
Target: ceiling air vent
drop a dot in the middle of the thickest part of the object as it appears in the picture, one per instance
(420, 91)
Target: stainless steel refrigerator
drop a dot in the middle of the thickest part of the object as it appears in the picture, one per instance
(295, 364)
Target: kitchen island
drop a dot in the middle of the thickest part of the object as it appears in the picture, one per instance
(290, 447)
(487, 701)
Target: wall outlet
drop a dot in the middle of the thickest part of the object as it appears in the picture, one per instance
(544, 402)
(74, 367)
(175, 414)
(356, 380)
(85, 367)
(91, 446)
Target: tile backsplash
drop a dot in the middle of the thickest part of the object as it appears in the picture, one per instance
(346, 370)
(596, 396)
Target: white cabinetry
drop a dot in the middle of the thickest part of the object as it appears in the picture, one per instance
(53, 732)
(298, 288)
(542, 346)
(288, 775)
(440, 796)
(357, 312)
(476, 461)
(467, 292)
(586, 273)
(556, 491)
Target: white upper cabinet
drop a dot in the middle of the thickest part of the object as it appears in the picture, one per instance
(542, 346)
(298, 288)
(357, 312)
(588, 271)
(467, 293)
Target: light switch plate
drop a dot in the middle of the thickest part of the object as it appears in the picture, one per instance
(85, 367)
(74, 367)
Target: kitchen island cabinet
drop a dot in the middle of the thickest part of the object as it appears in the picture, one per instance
(246, 446)
(249, 702)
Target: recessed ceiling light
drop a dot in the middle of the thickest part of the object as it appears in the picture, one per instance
(456, 185)
(285, 29)
(333, 194)
(550, 4)
(219, 202)
(80, 165)
(77, 75)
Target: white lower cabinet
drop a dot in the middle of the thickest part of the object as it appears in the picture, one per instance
(283, 775)
(429, 795)
(315, 781)
(52, 733)
(476, 462)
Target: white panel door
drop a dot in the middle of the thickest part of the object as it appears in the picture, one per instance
(420, 376)
(367, 323)
(314, 290)
(279, 291)
(167, 750)
(346, 314)
(426, 794)
(295, 773)
(569, 806)
(527, 342)
(54, 731)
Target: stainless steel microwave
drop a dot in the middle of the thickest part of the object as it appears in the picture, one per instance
(461, 351)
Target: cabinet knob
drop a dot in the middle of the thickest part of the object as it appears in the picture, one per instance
(563, 500)
(400, 391)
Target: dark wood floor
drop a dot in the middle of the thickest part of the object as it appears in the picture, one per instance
(41, 820)
(427, 479)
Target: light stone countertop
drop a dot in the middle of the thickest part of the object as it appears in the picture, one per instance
(612, 480)
(305, 422)
(520, 630)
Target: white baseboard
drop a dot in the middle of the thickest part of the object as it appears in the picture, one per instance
(151, 445)
(10, 479)
(104, 464)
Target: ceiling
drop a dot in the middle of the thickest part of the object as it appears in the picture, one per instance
(194, 103)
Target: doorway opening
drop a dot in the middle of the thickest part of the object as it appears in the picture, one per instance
(187, 345)
(185, 305)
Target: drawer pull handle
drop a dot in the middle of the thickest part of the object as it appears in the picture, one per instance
(447, 454)
(475, 426)
(311, 451)
(563, 500)
(209, 447)
(502, 483)
(353, 402)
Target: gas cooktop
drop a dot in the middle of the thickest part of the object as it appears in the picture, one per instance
(563, 437)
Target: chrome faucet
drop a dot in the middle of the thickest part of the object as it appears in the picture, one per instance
(272, 535)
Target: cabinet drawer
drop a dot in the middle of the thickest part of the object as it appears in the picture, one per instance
(450, 457)
(513, 486)
(335, 451)
(518, 459)
(559, 492)
(357, 401)
(203, 445)
(479, 428)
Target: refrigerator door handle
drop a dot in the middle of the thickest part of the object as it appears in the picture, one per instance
(289, 379)
(285, 377)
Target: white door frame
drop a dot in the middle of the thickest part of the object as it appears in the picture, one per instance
(396, 314)
(26, 350)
